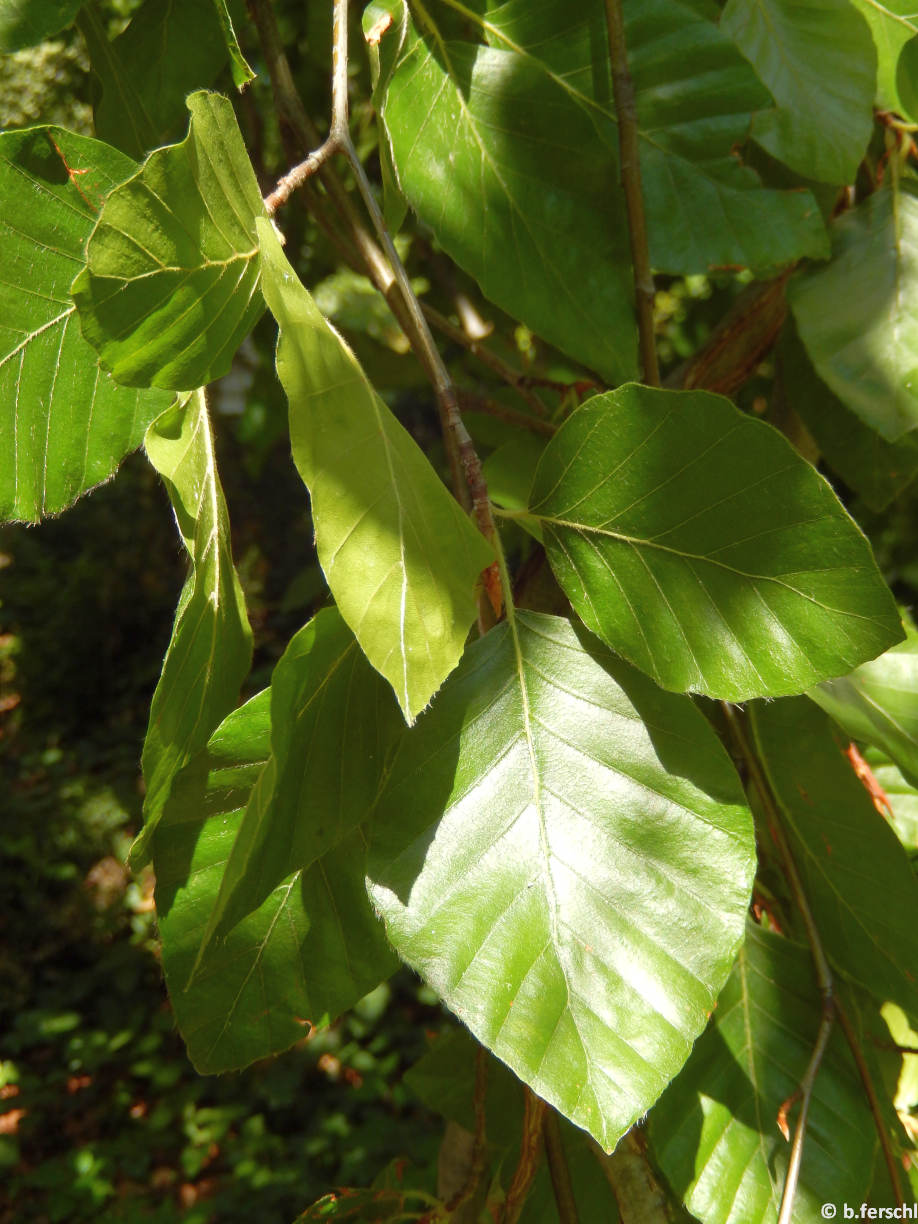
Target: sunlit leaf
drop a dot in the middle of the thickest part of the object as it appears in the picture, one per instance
(64, 425)
(893, 24)
(399, 554)
(802, 49)
(698, 543)
(171, 284)
(241, 69)
(211, 646)
(878, 703)
(535, 857)
(856, 873)
(858, 314)
(312, 949)
(715, 1132)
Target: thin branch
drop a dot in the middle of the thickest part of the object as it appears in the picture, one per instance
(637, 1193)
(623, 91)
(824, 979)
(530, 1156)
(483, 403)
(558, 1170)
(872, 1099)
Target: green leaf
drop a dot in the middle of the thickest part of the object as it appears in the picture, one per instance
(536, 857)
(23, 23)
(856, 874)
(695, 541)
(310, 951)
(239, 66)
(893, 23)
(694, 95)
(376, 1206)
(858, 314)
(64, 426)
(876, 469)
(802, 49)
(169, 49)
(715, 1132)
(399, 554)
(878, 703)
(507, 171)
(211, 646)
(171, 284)
(333, 725)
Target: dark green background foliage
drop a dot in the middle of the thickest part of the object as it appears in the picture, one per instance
(257, 774)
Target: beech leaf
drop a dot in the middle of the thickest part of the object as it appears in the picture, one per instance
(170, 289)
(697, 542)
(535, 857)
(399, 554)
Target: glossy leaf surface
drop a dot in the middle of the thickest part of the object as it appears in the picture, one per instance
(169, 49)
(334, 722)
(23, 23)
(694, 540)
(211, 646)
(400, 556)
(819, 48)
(856, 874)
(858, 314)
(878, 703)
(535, 858)
(64, 425)
(876, 469)
(311, 950)
(695, 95)
(715, 1132)
(171, 284)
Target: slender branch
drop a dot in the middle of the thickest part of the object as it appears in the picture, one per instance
(824, 978)
(559, 1172)
(530, 1156)
(637, 1193)
(872, 1099)
(623, 92)
(483, 403)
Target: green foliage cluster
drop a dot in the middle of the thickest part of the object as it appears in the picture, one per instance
(614, 743)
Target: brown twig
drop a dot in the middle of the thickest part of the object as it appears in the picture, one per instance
(473, 401)
(623, 92)
(558, 1171)
(530, 1156)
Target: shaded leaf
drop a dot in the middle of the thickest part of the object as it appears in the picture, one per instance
(211, 646)
(169, 49)
(64, 426)
(23, 23)
(876, 469)
(400, 556)
(694, 95)
(334, 723)
(311, 950)
(698, 543)
(856, 874)
(715, 1132)
(494, 156)
(171, 284)
(376, 1206)
(858, 314)
(878, 703)
(535, 857)
(802, 49)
